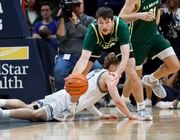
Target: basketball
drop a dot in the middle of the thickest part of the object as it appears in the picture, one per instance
(76, 84)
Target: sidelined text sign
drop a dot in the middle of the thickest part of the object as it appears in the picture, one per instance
(12, 75)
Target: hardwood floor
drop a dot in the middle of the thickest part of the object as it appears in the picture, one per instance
(165, 126)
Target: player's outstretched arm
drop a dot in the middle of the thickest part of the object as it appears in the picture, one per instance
(113, 91)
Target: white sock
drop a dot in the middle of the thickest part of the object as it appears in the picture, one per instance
(5, 113)
(148, 100)
(2, 102)
(140, 106)
(125, 99)
(152, 78)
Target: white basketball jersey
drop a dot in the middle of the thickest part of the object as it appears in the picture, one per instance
(93, 93)
(59, 101)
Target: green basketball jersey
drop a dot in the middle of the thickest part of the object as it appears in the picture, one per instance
(143, 31)
(95, 42)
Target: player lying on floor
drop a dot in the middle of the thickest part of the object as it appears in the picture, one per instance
(58, 105)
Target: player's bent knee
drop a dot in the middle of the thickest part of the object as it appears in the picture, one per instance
(175, 66)
(172, 63)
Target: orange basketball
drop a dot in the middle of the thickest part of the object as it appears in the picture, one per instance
(76, 84)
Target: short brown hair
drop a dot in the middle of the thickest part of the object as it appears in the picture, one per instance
(104, 12)
(110, 59)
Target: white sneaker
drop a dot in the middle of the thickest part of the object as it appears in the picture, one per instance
(144, 115)
(157, 88)
(148, 102)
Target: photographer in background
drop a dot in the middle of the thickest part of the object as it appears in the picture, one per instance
(71, 32)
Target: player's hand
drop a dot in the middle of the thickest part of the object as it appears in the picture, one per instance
(134, 117)
(109, 116)
(146, 16)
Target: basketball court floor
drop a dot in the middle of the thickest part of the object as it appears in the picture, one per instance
(165, 126)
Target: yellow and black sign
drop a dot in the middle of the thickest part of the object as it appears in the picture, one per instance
(14, 53)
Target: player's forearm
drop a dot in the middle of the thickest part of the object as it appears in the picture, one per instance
(129, 17)
(82, 62)
(117, 100)
(122, 107)
(124, 60)
(81, 65)
(127, 13)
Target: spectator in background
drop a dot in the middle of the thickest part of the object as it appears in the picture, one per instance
(169, 24)
(71, 32)
(32, 13)
(163, 3)
(55, 6)
(47, 20)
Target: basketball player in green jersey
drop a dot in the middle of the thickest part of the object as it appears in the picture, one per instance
(143, 17)
(111, 34)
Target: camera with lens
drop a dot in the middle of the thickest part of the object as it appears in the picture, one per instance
(67, 7)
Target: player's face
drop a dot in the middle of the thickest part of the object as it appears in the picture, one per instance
(105, 26)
